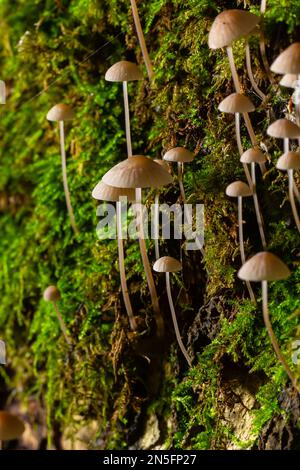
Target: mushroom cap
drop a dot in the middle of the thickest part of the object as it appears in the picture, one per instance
(288, 61)
(179, 154)
(253, 155)
(137, 171)
(288, 80)
(284, 129)
(289, 161)
(103, 192)
(123, 71)
(264, 266)
(162, 163)
(238, 189)
(167, 264)
(229, 26)
(51, 294)
(61, 112)
(11, 427)
(236, 103)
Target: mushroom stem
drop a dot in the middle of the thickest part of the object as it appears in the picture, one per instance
(177, 332)
(292, 199)
(272, 335)
(0, 445)
(297, 105)
(286, 148)
(127, 119)
(257, 208)
(147, 267)
(250, 73)
(141, 38)
(240, 147)
(62, 323)
(156, 225)
(262, 44)
(241, 241)
(124, 287)
(65, 179)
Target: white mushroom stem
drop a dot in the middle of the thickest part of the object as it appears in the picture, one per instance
(292, 199)
(297, 103)
(262, 44)
(127, 120)
(124, 287)
(147, 267)
(173, 313)
(62, 323)
(141, 38)
(250, 73)
(65, 179)
(272, 336)
(257, 208)
(156, 225)
(286, 148)
(241, 241)
(240, 146)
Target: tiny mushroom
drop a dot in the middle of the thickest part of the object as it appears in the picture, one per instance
(284, 129)
(289, 80)
(289, 162)
(52, 294)
(11, 427)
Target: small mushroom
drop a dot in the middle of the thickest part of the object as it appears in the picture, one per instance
(240, 189)
(168, 265)
(289, 80)
(124, 72)
(52, 294)
(2, 352)
(264, 267)
(156, 210)
(289, 162)
(141, 38)
(60, 113)
(11, 427)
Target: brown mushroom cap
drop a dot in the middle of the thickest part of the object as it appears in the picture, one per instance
(284, 129)
(123, 71)
(253, 155)
(229, 26)
(11, 427)
(179, 154)
(52, 294)
(264, 266)
(289, 161)
(236, 103)
(137, 171)
(288, 61)
(289, 80)
(60, 112)
(103, 192)
(167, 264)
(238, 189)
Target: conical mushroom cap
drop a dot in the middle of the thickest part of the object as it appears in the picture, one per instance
(284, 129)
(137, 171)
(288, 61)
(238, 189)
(289, 80)
(11, 427)
(229, 26)
(167, 264)
(264, 266)
(236, 103)
(253, 155)
(289, 161)
(123, 71)
(60, 112)
(179, 154)
(103, 192)
(52, 294)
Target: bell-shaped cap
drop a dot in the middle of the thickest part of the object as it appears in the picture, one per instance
(236, 103)
(11, 427)
(288, 61)
(137, 171)
(289, 161)
(103, 192)
(123, 71)
(61, 112)
(179, 154)
(52, 294)
(167, 264)
(238, 189)
(284, 129)
(264, 266)
(253, 155)
(229, 26)
(289, 80)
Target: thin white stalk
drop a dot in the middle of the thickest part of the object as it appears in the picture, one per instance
(262, 44)
(259, 217)
(156, 225)
(173, 313)
(272, 336)
(297, 105)
(240, 147)
(292, 199)
(141, 38)
(241, 241)
(124, 287)
(250, 73)
(65, 179)
(286, 148)
(127, 119)
(62, 323)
